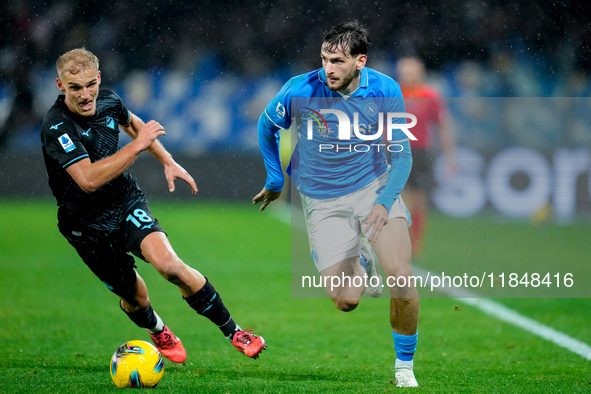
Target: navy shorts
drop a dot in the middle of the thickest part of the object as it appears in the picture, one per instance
(106, 252)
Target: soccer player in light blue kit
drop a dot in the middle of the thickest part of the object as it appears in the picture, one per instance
(345, 185)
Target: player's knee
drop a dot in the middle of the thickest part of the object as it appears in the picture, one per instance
(346, 304)
(403, 275)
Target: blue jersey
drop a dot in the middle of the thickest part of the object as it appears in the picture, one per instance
(335, 154)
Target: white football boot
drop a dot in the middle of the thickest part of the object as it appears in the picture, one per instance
(371, 261)
(406, 378)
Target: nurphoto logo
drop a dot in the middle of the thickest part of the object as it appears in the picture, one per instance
(353, 124)
(364, 132)
(345, 126)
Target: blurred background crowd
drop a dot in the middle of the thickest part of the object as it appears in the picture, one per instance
(470, 47)
(551, 40)
(206, 69)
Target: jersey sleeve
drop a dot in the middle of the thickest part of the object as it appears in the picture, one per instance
(62, 143)
(124, 116)
(276, 116)
(278, 111)
(401, 157)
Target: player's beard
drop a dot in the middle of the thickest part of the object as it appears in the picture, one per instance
(345, 82)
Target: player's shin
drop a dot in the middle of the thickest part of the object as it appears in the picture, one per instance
(145, 318)
(208, 303)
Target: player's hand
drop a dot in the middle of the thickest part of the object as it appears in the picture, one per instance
(148, 134)
(266, 196)
(174, 171)
(378, 218)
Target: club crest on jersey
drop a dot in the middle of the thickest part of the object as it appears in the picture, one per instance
(66, 142)
(371, 109)
(110, 123)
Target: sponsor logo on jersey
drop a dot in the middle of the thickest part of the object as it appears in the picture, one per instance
(280, 110)
(110, 123)
(66, 142)
(87, 132)
(323, 129)
(55, 126)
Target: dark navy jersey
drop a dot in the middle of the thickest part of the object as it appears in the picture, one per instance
(66, 139)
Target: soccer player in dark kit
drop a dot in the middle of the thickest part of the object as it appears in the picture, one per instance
(103, 213)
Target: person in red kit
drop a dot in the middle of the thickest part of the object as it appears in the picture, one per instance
(426, 104)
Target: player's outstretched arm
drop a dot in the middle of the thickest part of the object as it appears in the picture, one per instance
(268, 134)
(172, 170)
(399, 172)
(91, 176)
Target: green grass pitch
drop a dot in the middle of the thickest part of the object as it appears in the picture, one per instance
(59, 325)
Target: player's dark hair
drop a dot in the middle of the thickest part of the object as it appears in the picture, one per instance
(347, 35)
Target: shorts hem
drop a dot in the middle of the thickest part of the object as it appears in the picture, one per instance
(337, 259)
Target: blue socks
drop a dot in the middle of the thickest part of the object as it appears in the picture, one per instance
(405, 346)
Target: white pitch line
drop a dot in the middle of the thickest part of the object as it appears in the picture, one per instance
(511, 316)
(486, 305)
(506, 314)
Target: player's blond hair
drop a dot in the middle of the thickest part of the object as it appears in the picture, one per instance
(76, 60)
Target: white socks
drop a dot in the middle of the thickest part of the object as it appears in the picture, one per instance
(399, 364)
(231, 337)
(159, 325)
